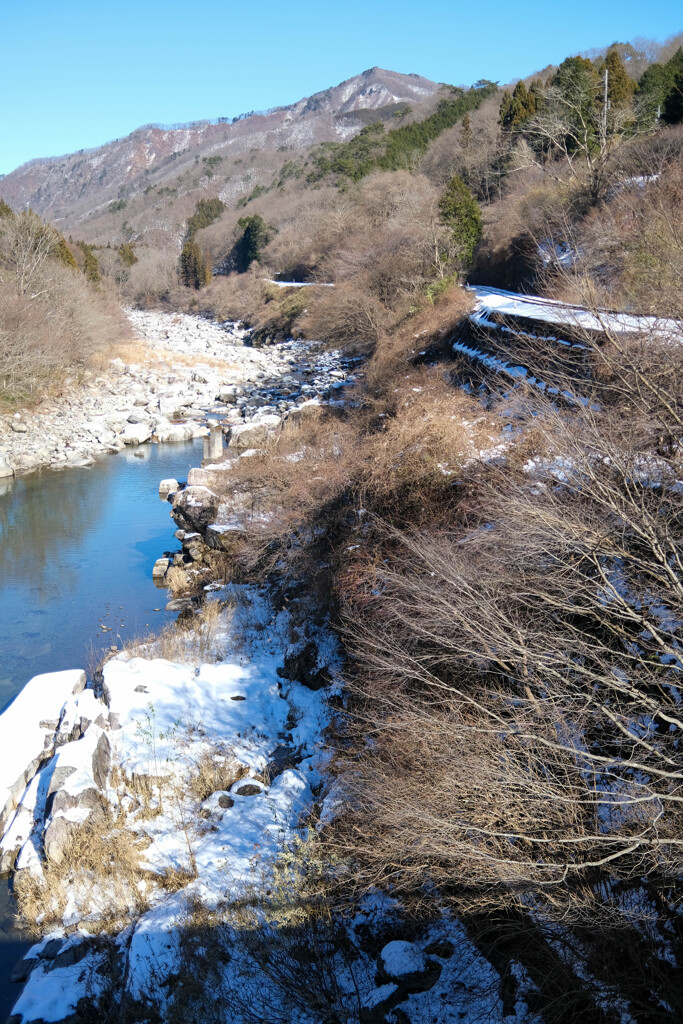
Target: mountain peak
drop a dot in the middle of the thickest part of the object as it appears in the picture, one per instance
(90, 184)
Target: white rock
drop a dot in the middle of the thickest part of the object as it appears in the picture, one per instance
(27, 730)
(400, 958)
(174, 432)
(6, 468)
(136, 433)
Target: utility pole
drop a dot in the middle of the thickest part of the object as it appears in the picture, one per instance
(605, 104)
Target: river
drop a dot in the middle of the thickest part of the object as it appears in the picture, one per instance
(76, 554)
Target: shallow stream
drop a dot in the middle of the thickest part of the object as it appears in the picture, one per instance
(76, 556)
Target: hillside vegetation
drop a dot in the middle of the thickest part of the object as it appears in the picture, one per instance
(53, 318)
(503, 564)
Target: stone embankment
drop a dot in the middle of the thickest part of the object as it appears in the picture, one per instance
(186, 370)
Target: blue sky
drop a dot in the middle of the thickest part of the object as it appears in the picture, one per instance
(76, 74)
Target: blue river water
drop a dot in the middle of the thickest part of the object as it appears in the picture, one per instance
(76, 554)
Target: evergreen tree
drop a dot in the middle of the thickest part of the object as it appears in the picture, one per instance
(517, 108)
(466, 132)
(193, 266)
(5, 210)
(205, 213)
(127, 254)
(91, 267)
(657, 86)
(672, 108)
(460, 212)
(64, 254)
(254, 238)
(620, 87)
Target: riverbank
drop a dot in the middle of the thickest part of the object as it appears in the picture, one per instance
(179, 371)
(41, 808)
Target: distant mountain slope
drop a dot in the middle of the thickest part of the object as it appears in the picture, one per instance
(77, 188)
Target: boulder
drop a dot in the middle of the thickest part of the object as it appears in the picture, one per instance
(304, 411)
(254, 434)
(18, 426)
(138, 416)
(101, 761)
(194, 508)
(161, 567)
(56, 838)
(173, 432)
(168, 486)
(180, 604)
(137, 433)
(88, 800)
(6, 467)
(168, 406)
(195, 548)
(401, 958)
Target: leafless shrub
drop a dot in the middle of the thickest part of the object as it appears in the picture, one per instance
(64, 324)
(345, 316)
(149, 280)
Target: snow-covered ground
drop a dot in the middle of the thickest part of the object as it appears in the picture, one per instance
(300, 284)
(208, 774)
(491, 301)
(258, 735)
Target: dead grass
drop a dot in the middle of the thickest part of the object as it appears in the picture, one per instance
(174, 879)
(185, 642)
(213, 771)
(100, 870)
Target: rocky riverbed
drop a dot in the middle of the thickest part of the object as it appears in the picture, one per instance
(184, 371)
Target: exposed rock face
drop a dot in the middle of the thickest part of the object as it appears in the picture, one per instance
(29, 739)
(195, 508)
(79, 187)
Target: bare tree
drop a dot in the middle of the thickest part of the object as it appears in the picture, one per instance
(26, 242)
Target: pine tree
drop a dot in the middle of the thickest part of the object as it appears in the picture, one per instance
(205, 213)
(127, 254)
(192, 266)
(672, 108)
(620, 87)
(91, 267)
(460, 212)
(255, 237)
(5, 210)
(517, 108)
(64, 254)
(466, 132)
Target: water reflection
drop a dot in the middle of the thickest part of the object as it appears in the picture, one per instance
(44, 520)
(76, 556)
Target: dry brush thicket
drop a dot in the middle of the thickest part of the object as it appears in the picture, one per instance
(51, 320)
(512, 746)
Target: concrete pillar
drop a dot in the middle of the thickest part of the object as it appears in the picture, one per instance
(215, 442)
